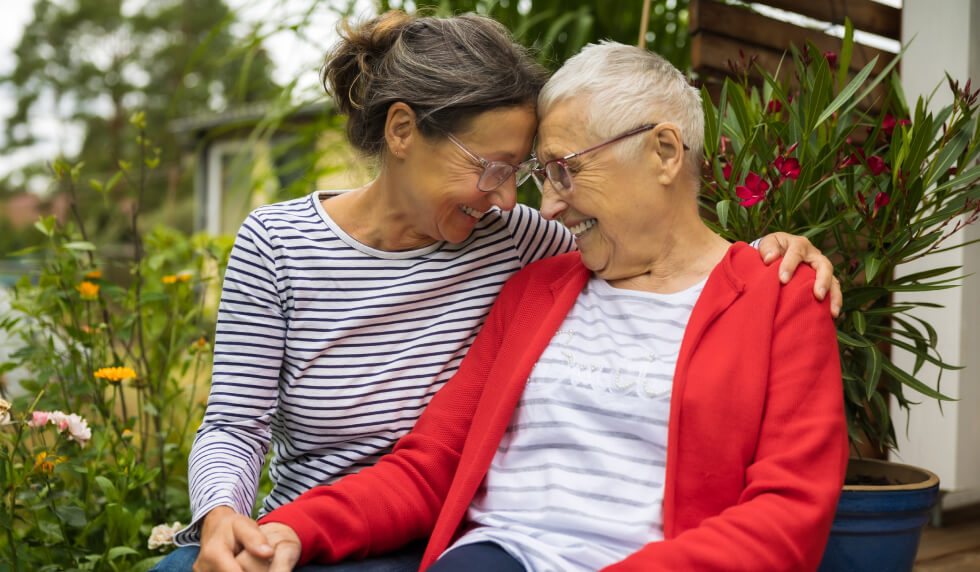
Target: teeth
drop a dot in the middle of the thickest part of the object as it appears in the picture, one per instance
(470, 211)
(582, 227)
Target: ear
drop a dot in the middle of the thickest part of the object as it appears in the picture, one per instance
(669, 147)
(400, 129)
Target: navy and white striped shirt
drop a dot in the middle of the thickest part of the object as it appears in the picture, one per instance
(329, 350)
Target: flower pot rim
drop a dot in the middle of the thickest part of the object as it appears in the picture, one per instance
(928, 478)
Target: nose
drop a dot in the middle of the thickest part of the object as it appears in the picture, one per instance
(552, 205)
(504, 197)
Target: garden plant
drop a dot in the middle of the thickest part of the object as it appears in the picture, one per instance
(94, 444)
(844, 160)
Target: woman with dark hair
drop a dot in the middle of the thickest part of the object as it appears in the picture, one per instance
(343, 312)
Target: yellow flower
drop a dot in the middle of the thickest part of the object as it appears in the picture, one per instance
(115, 374)
(175, 278)
(94, 274)
(88, 290)
(199, 346)
(44, 463)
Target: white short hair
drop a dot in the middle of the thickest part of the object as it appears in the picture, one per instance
(627, 86)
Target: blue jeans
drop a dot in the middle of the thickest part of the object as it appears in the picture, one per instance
(477, 557)
(405, 559)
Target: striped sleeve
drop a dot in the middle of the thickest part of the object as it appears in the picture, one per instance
(535, 237)
(230, 447)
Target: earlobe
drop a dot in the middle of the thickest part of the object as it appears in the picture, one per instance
(400, 129)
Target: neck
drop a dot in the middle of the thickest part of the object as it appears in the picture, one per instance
(684, 253)
(380, 215)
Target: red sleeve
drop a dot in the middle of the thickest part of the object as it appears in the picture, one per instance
(397, 500)
(783, 515)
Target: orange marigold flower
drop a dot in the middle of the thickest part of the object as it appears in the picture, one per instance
(184, 276)
(115, 374)
(88, 290)
(94, 274)
(127, 434)
(169, 279)
(44, 463)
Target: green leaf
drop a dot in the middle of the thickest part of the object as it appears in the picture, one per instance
(79, 245)
(71, 515)
(872, 265)
(853, 342)
(844, 58)
(848, 92)
(857, 318)
(722, 210)
(117, 551)
(900, 375)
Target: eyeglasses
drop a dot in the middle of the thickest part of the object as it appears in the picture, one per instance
(495, 173)
(556, 170)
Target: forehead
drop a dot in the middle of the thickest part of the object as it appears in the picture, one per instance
(563, 129)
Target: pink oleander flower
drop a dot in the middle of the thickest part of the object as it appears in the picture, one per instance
(726, 171)
(881, 200)
(889, 122)
(831, 59)
(38, 419)
(788, 168)
(162, 535)
(753, 191)
(876, 165)
(774, 106)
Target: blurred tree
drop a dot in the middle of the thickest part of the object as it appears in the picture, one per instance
(98, 61)
(557, 29)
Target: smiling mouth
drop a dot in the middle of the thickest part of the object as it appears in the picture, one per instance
(581, 227)
(471, 211)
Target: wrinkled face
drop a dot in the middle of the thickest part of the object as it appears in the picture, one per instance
(444, 191)
(616, 205)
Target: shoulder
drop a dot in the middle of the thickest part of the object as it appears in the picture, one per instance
(550, 271)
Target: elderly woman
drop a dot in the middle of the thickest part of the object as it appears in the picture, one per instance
(342, 313)
(654, 402)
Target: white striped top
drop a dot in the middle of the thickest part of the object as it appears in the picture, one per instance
(577, 481)
(329, 350)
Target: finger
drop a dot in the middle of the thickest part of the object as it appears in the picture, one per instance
(825, 274)
(770, 248)
(249, 563)
(287, 555)
(252, 539)
(836, 299)
(220, 561)
(791, 259)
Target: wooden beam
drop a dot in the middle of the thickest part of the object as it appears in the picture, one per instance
(751, 29)
(710, 54)
(866, 15)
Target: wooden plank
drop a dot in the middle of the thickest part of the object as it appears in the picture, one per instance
(744, 25)
(866, 15)
(710, 54)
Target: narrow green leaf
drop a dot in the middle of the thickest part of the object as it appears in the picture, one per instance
(848, 92)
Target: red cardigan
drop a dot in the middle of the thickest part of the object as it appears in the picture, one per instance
(757, 444)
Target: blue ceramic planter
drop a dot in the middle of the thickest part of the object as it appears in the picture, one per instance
(877, 527)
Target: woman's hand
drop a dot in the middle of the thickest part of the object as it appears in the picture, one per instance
(795, 249)
(226, 534)
(285, 543)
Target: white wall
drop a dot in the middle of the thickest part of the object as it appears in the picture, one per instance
(946, 39)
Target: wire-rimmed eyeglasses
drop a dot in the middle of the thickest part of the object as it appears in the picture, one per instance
(495, 173)
(556, 170)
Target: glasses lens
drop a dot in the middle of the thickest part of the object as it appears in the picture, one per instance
(494, 175)
(525, 170)
(560, 179)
